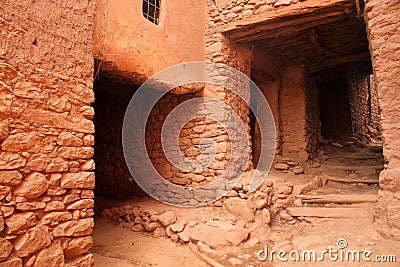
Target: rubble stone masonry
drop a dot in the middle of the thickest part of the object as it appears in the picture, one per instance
(46, 133)
(364, 108)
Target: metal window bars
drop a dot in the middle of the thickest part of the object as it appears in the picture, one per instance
(151, 10)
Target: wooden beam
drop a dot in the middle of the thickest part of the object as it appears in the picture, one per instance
(338, 71)
(326, 212)
(286, 28)
(352, 181)
(320, 51)
(353, 167)
(339, 199)
(291, 21)
(332, 62)
(362, 157)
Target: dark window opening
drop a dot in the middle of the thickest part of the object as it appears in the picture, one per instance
(151, 10)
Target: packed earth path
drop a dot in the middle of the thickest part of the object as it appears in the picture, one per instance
(335, 209)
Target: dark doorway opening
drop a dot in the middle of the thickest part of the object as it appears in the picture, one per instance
(113, 179)
(255, 139)
(334, 109)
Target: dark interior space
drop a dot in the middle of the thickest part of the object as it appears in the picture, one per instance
(255, 139)
(334, 109)
(112, 96)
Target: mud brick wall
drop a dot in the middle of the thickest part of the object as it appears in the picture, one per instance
(112, 175)
(265, 72)
(293, 109)
(46, 133)
(364, 125)
(382, 24)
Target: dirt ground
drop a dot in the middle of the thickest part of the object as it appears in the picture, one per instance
(116, 246)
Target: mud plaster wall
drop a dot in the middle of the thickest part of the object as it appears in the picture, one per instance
(265, 72)
(135, 45)
(46, 133)
(112, 174)
(382, 22)
(365, 122)
(200, 128)
(293, 110)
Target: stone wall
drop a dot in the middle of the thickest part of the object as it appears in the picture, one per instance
(382, 24)
(289, 112)
(313, 123)
(191, 135)
(46, 133)
(376, 112)
(219, 49)
(235, 10)
(364, 111)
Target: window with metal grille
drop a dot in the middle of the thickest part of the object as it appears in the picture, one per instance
(151, 10)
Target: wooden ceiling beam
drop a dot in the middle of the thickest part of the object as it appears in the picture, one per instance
(289, 28)
(309, 17)
(332, 62)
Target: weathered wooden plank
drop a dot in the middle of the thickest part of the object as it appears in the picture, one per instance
(352, 181)
(339, 199)
(361, 157)
(326, 212)
(353, 167)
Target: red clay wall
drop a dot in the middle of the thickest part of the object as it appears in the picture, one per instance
(46, 133)
(382, 19)
(293, 110)
(141, 48)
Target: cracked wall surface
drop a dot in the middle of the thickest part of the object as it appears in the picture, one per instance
(382, 24)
